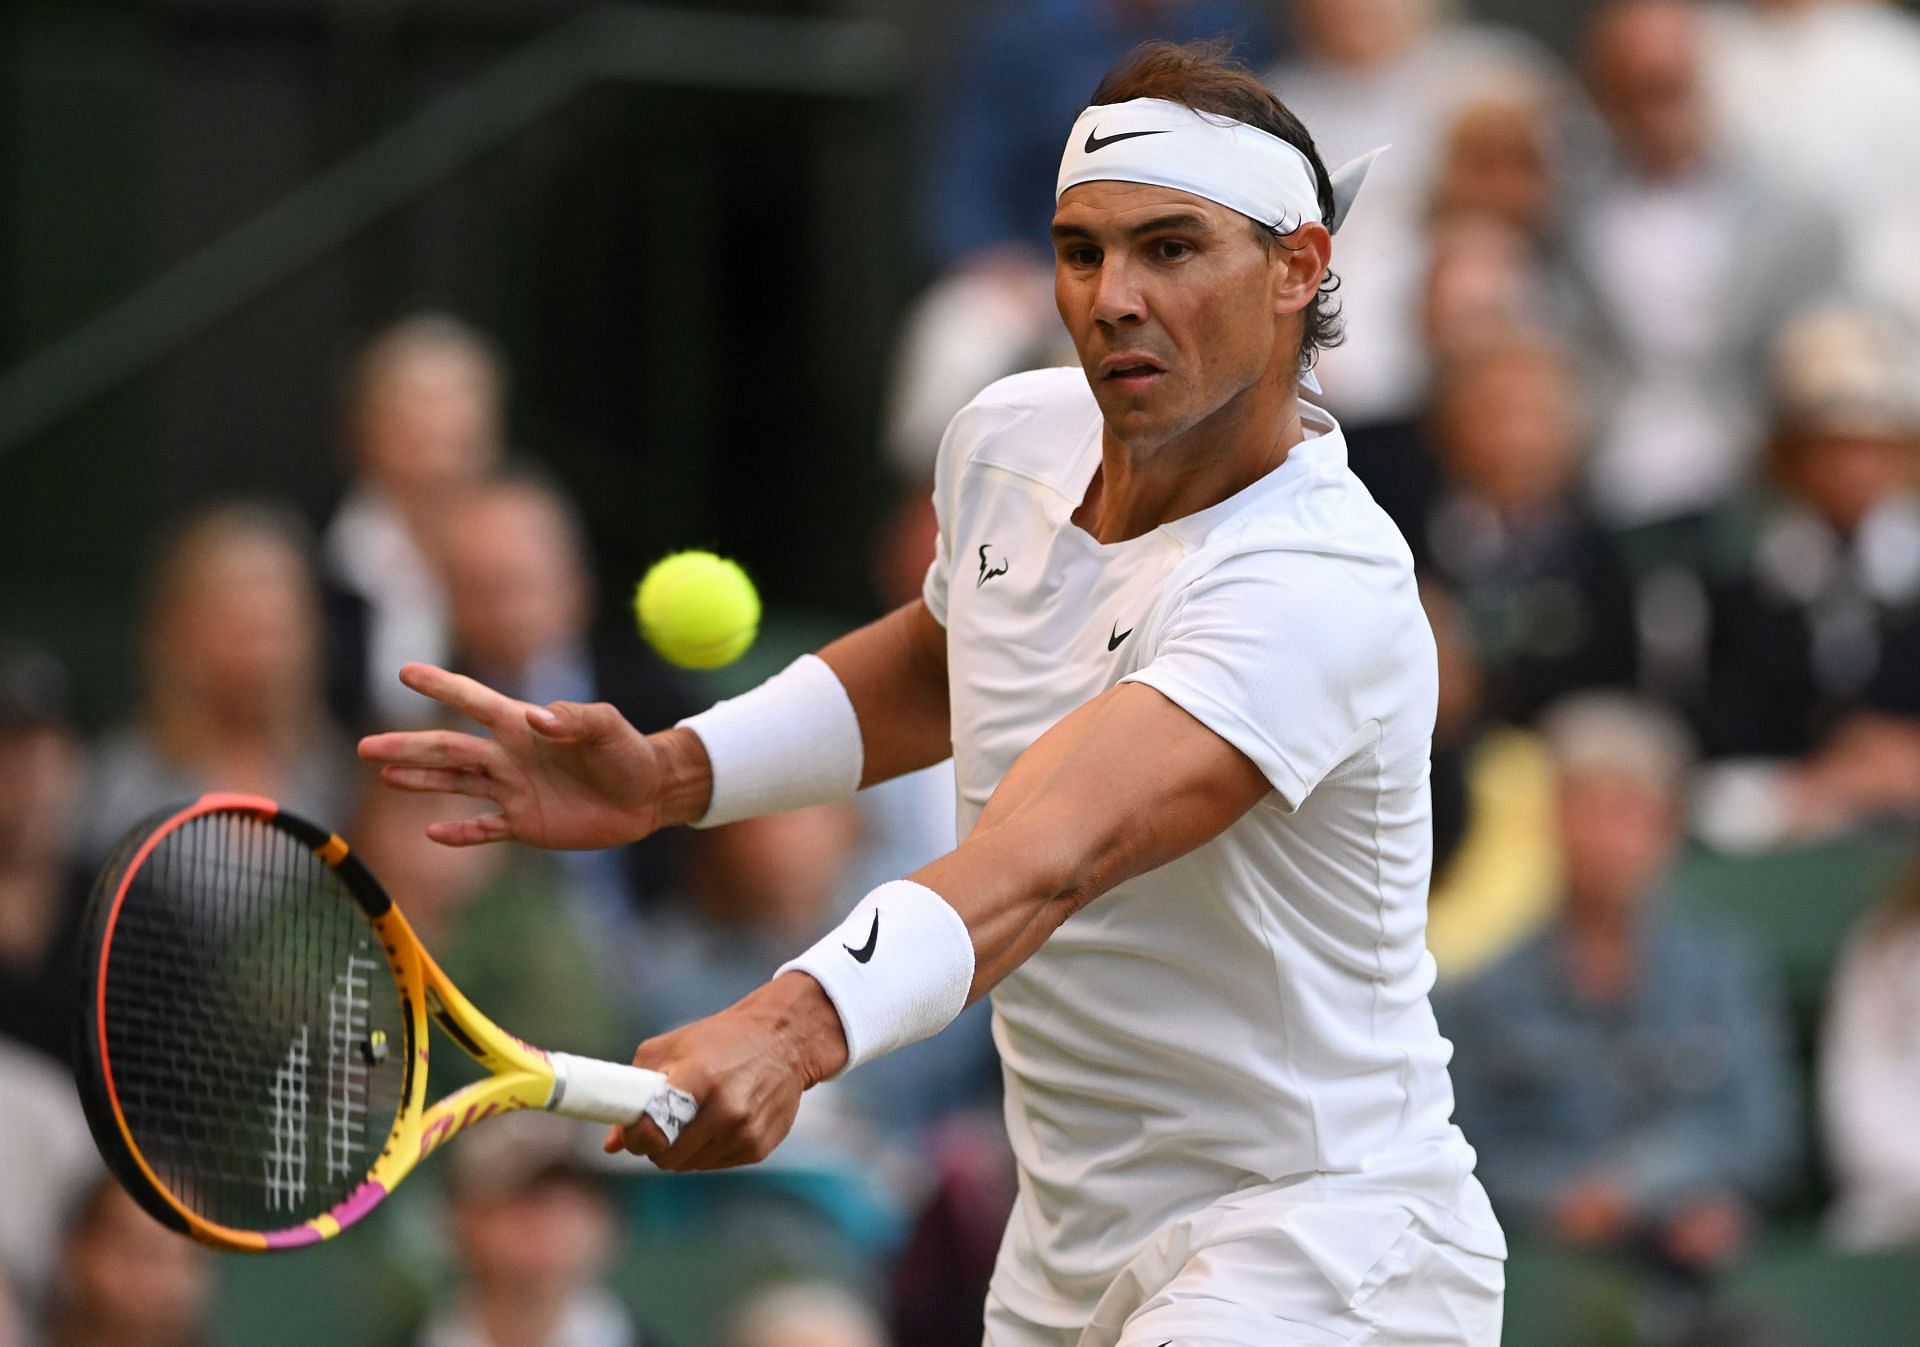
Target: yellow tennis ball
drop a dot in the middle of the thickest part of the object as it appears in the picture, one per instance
(698, 610)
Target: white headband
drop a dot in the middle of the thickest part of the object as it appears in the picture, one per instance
(1168, 144)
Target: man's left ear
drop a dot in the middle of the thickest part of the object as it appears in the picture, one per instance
(1302, 258)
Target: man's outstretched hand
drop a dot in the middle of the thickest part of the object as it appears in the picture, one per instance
(565, 776)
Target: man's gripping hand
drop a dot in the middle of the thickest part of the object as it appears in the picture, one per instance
(564, 776)
(747, 1067)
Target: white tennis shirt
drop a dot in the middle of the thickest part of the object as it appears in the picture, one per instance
(1254, 1013)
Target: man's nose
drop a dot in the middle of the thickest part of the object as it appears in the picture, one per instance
(1117, 298)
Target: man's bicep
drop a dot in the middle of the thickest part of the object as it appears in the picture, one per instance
(895, 673)
(1134, 775)
(1122, 786)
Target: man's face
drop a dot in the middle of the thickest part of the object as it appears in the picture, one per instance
(1617, 834)
(1843, 475)
(1510, 427)
(1359, 33)
(514, 581)
(41, 769)
(1644, 71)
(547, 1238)
(240, 632)
(133, 1278)
(430, 421)
(1175, 306)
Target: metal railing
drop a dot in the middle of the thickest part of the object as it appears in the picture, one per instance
(809, 57)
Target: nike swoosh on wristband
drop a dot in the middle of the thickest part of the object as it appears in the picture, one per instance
(1096, 141)
(865, 952)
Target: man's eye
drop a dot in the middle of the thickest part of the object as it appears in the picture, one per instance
(1171, 250)
(1083, 257)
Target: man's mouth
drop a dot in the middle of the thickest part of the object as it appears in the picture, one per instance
(1130, 372)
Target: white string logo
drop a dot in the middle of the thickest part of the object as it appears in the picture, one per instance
(287, 1161)
(347, 1006)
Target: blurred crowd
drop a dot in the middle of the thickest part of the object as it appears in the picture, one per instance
(1633, 364)
(263, 648)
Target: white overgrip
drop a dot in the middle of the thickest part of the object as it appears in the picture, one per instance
(597, 1091)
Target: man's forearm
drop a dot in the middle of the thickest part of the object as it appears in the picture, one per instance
(1013, 885)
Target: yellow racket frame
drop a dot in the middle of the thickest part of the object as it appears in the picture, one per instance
(520, 1076)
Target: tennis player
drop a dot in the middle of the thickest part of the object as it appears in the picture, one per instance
(1176, 654)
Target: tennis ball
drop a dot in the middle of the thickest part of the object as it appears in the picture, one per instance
(698, 610)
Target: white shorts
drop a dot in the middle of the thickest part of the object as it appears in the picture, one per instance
(1265, 1289)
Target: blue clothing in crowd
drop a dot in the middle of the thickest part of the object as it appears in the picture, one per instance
(1685, 1087)
(1020, 78)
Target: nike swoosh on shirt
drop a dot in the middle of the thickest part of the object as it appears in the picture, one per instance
(865, 952)
(1096, 141)
(1115, 636)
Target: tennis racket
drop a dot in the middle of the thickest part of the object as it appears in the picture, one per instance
(254, 1033)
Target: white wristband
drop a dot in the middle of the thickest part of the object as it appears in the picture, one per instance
(791, 742)
(897, 970)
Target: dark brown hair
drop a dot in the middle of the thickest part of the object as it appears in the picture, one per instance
(1205, 76)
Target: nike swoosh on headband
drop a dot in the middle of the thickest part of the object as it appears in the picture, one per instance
(1096, 141)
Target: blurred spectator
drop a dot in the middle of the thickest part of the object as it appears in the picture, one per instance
(124, 1280)
(498, 920)
(1823, 96)
(1542, 592)
(1813, 652)
(1458, 717)
(1480, 283)
(1870, 1077)
(425, 411)
(533, 1232)
(230, 667)
(1017, 78)
(1497, 161)
(807, 1314)
(47, 1161)
(1690, 263)
(41, 890)
(940, 1278)
(1626, 1076)
(1482, 280)
(1392, 72)
(521, 597)
(1495, 868)
(974, 325)
(758, 891)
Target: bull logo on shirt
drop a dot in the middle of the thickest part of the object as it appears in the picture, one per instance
(990, 565)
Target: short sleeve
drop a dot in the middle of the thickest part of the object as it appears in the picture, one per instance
(1293, 658)
(946, 469)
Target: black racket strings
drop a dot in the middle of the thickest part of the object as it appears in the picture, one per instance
(246, 998)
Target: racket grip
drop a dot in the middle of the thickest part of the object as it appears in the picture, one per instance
(597, 1091)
